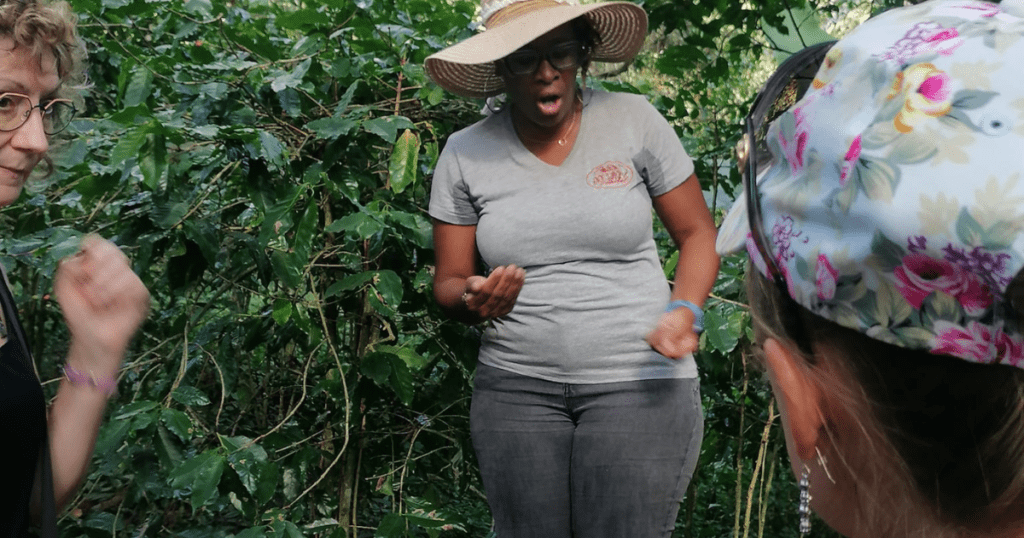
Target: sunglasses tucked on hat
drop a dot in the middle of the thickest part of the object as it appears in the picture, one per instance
(894, 200)
(467, 68)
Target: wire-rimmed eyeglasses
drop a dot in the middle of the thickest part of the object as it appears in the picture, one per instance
(16, 109)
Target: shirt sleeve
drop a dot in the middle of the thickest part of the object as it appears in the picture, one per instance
(662, 162)
(449, 196)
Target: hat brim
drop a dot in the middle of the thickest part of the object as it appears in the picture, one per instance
(467, 68)
(735, 227)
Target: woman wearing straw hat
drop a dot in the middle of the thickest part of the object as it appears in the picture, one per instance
(586, 414)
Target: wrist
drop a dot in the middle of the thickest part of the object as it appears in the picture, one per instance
(105, 384)
(698, 314)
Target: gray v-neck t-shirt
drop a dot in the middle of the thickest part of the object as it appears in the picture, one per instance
(582, 231)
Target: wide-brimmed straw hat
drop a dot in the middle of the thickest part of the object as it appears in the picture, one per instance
(467, 68)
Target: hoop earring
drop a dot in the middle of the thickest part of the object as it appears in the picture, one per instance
(804, 509)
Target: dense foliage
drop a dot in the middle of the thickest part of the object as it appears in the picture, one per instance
(266, 165)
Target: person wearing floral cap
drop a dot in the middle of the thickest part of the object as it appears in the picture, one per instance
(886, 237)
(586, 415)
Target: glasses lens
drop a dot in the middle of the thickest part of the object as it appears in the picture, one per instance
(522, 62)
(57, 115)
(14, 110)
(565, 55)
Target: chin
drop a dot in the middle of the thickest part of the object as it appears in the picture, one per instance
(9, 195)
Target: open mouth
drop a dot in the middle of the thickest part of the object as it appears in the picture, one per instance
(549, 104)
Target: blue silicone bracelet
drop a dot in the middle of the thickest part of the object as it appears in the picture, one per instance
(698, 314)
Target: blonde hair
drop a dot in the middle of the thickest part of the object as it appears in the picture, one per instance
(938, 444)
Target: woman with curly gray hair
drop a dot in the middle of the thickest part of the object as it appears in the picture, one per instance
(47, 451)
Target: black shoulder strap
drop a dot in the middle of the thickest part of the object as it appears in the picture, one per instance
(48, 504)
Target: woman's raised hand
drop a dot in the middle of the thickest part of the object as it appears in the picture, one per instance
(103, 302)
(494, 296)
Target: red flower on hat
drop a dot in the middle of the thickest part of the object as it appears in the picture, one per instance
(921, 275)
(977, 342)
(850, 161)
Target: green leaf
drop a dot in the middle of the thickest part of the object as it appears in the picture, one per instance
(302, 243)
(202, 475)
(411, 359)
(168, 451)
(971, 99)
(135, 408)
(377, 367)
(128, 147)
(348, 283)
(271, 148)
(140, 87)
(249, 461)
(387, 127)
(392, 526)
(177, 422)
(332, 128)
(288, 268)
(389, 285)
(404, 161)
(362, 224)
(887, 254)
(190, 396)
(879, 179)
(912, 148)
(252, 532)
(720, 331)
(282, 311)
(969, 230)
(292, 79)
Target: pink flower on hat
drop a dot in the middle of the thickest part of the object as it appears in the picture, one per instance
(928, 94)
(977, 342)
(920, 275)
(924, 38)
(850, 161)
(794, 149)
(826, 278)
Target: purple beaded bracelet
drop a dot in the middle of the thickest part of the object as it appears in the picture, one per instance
(108, 385)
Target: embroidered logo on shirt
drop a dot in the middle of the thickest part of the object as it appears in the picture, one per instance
(610, 175)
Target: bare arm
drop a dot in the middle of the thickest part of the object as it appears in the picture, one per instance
(687, 219)
(104, 303)
(463, 294)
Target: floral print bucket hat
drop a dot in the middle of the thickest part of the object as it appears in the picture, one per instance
(892, 201)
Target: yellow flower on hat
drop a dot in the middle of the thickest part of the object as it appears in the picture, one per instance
(927, 94)
(827, 72)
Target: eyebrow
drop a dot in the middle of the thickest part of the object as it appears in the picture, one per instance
(13, 86)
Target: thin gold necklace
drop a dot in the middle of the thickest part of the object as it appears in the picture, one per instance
(564, 138)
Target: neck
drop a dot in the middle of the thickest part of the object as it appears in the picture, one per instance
(560, 133)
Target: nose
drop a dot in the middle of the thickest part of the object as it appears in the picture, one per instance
(30, 137)
(546, 71)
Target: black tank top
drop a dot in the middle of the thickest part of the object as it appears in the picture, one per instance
(22, 423)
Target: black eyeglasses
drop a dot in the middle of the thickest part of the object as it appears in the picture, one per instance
(16, 108)
(565, 55)
(785, 87)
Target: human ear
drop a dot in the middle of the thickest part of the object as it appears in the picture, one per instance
(799, 397)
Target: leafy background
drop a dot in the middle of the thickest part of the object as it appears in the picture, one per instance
(266, 165)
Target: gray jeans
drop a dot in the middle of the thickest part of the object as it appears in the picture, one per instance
(585, 460)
